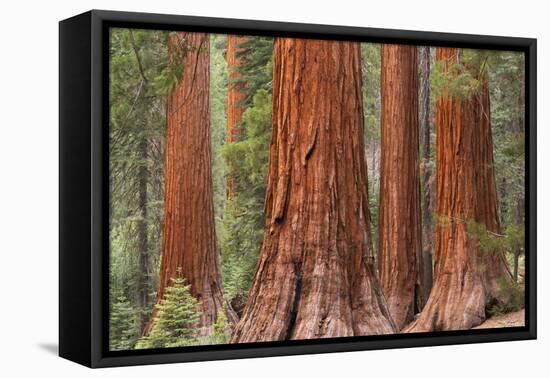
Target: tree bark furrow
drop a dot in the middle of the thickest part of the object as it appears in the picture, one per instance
(466, 279)
(400, 241)
(189, 242)
(313, 280)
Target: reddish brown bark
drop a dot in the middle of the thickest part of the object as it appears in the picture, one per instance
(400, 241)
(235, 94)
(189, 240)
(466, 278)
(313, 279)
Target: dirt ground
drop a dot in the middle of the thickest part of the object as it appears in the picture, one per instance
(512, 319)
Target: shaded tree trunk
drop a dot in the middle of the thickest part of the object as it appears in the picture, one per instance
(235, 95)
(493, 265)
(426, 171)
(144, 286)
(520, 200)
(189, 240)
(400, 229)
(144, 278)
(519, 219)
(466, 278)
(313, 279)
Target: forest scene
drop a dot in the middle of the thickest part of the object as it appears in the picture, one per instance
(268, 189)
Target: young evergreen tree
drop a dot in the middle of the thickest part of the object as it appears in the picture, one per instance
(221, 331)
(177, 318)
(124, 325)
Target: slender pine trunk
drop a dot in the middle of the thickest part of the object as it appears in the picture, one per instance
(426, 171)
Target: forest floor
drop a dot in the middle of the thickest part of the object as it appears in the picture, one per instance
(512, 319)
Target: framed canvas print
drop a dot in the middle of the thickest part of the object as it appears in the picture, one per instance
(233, 188)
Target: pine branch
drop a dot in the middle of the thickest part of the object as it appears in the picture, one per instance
(136, 52)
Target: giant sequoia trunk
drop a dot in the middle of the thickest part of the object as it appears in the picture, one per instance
(466, 278)
(400, 244)
(189, 241)
(426, 170)
(313, 279)
(235, 94)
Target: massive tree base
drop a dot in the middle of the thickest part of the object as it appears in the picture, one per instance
(457, 301)
(467, 277)
(313, 279)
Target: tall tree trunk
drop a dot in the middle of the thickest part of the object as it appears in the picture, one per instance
(236, 91)
(493, 264)
(519, 219)
(189, 240)
(426, 171)
(466, 278)
(313, 279)
(400, 229)
(235, 95)
(144, 280)
(520, 197)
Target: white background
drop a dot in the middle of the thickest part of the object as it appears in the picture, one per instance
(29, 186)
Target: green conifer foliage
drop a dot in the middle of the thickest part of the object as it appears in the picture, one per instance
(221, 333)
(177, 318)
(123, 324)
(138, 59)
(257, 67)
(246, 162)
(141, 77)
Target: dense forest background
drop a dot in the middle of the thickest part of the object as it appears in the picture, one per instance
(144, 74)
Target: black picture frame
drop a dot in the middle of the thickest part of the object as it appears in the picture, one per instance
(83, 182)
